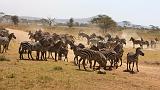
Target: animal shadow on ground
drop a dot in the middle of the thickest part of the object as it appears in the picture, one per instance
(131, 72)
(30, 60)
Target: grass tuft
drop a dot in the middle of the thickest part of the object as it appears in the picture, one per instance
(58, 68)
(3, 58)
(11, 75)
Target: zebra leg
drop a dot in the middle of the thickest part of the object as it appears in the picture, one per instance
(137, 66)
(45, 56)
(94, 64)
(84, 64)
(76, 63)
(79, 63)
(4, 48)
(37, 57)
(0, 49)
(90, 63)
(132, 66)
(49, 53)
(55, 56)
(121, 61)
(127, 65)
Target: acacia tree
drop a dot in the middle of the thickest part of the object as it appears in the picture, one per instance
(15, 20)
(48, 21)
(104, 22)
(70, 23)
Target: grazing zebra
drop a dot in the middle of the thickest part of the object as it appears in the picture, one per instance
(4, 41)
(133, 58)
(136, 42)
(110, 54)
(91, 55)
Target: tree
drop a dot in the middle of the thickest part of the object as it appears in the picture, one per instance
(104, 22)
(154, 27)
(15, 20)
(71, 22)
(48, 21)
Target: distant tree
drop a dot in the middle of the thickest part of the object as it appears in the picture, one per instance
(71, 22)
(15, 20)
(126, 23)
(154, 27)
(48, 21)
(104, 22)
(77, 24)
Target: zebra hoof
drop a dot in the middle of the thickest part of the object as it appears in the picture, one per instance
(101, 71)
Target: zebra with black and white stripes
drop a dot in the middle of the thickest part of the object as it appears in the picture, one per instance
(39, 47)
(5, 41)
(91, 55)
(133, 58)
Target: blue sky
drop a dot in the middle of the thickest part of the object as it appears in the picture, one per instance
(143, 12)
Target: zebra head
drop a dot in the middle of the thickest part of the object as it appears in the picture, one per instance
(139, 51)
(131, 39)
(11, 36)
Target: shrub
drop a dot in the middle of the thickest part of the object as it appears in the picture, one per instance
(3, 58)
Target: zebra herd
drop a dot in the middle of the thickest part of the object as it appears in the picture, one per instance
(100, 50)
(105, 50)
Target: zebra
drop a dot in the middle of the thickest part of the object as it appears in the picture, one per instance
(119, 50)
(144, 42)
(154, 42)
(133, 58)
(110, 38)
(75, 49)
(91, 55)
(39, 47)
(4, 41)
(55, 48)
(64, 51)
(110, 54)
(81, 34)
(4, 32)
(136, 42)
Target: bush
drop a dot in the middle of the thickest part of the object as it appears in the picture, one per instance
(58, 68)
(3, 58)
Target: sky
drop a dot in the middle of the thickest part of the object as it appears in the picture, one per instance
(143, 12)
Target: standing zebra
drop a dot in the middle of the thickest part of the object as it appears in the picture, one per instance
(91, 55)
(81, 34)
(4, 41)
(76, 49)
(55, 48)
(133, 58)
(136, 42)
(39, 47)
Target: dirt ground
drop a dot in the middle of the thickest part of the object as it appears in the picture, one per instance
(38, 75)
